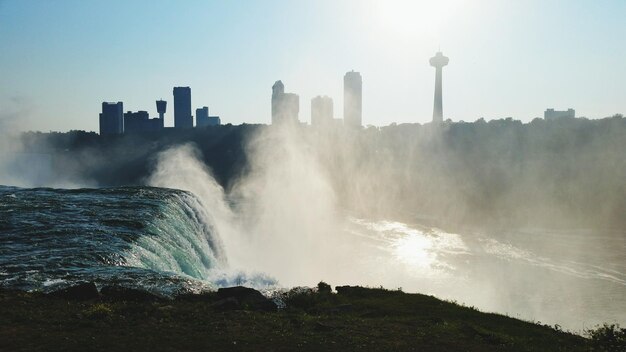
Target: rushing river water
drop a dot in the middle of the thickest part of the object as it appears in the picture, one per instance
(165, 241)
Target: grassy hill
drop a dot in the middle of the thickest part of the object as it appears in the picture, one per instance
(353, 319)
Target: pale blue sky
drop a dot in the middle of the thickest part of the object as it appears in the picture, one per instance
(60, 59)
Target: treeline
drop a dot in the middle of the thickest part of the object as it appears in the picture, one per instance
(88, 158)
(567, 172)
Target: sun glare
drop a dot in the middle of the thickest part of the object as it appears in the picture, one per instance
(416, 18)
(415, 250)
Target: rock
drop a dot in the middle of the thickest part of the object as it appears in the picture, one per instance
(197, 297)
(240, 293)
(350, 290)
(225, 304)
(81, 292)
(358, 291)
(248, 298)
(119, 293)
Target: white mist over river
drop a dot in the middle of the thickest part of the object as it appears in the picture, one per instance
(282, 220)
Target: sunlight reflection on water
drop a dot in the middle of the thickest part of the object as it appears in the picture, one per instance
(421, 251)
(573, 278)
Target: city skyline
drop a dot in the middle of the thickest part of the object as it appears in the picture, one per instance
(231, 55)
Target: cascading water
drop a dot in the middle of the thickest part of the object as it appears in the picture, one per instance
(138, 236)
(179, 242)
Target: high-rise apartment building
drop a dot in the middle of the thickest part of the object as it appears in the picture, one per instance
(182, 108)
(352, 99)
(285, 106)
(322, 111)
(112, 118)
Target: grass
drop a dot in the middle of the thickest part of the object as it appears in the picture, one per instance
(355, 319)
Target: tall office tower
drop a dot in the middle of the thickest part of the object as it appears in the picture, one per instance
(285, 106)
(438, 62)
(322, 111)
(112, 118)
(182, 108)
(352, 99)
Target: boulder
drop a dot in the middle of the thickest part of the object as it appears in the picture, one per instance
(81, 292)
(225, 304)
(248, 298)
(197, 297)
(120, 293)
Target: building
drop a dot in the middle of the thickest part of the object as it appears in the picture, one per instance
(214, 121)
(551, 114)
(322, 111)
(161, 106)
(112, 118)
(285, 106)
(352, 99)
(182, 108)
(438, 62)
(140, 122)
(203, 119)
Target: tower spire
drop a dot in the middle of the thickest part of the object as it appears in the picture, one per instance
(438, 62)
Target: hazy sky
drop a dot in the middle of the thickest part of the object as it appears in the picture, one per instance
(60, 59)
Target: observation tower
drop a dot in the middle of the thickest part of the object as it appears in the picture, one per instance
(438, 62)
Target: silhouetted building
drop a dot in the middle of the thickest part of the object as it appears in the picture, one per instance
(556, 114)
(112, 118)
(182, 108)
(161, 106)
(352, 99)
(285, 106)
(140, 122)
(438, 62)
(322, 111)
(214, 121)
(203, 119)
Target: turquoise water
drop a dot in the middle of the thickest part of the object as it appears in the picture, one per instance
(145, 237)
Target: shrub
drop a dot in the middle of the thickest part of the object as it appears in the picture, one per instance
(323, 288)
(299, 297)
(98, 311)
(608, 338)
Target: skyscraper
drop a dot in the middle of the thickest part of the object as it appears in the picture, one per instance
(182, 108)
(285, 106)
(321, 111)
(352, 99)
(438, 62)
(112, 118)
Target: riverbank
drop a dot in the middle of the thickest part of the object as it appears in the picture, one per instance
(354, 318)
